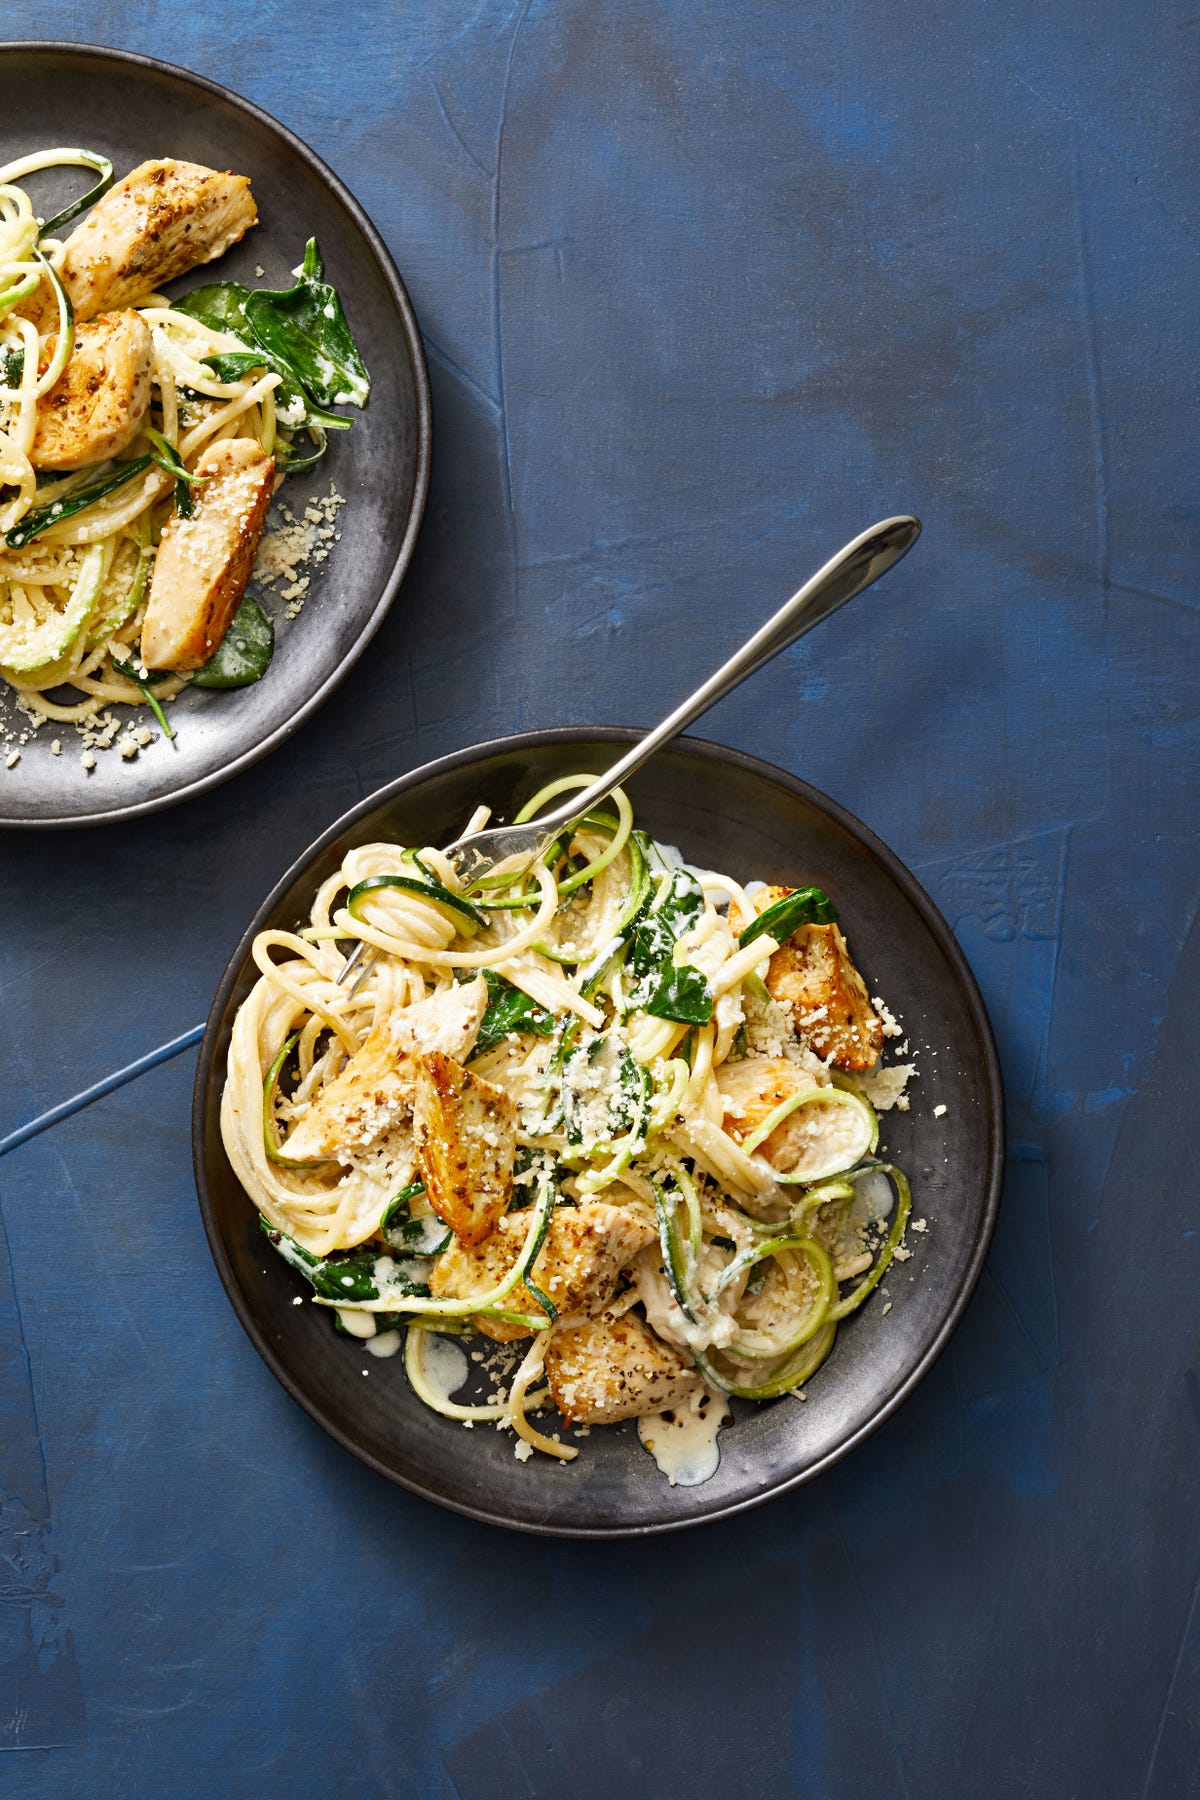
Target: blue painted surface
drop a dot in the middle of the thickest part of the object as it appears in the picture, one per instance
(706, 287)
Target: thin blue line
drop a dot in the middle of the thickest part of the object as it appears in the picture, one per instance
(117, 1079)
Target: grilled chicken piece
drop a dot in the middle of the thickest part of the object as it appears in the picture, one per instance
(753, 1087)
(204, 563)
(374, 1092)
(586, 1249)
(97, 405)
(813, 977)
(806, 1138)
(466, 1135)
(610, 1369)
(165, 218)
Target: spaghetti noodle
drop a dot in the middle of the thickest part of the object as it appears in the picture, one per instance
(654, 1175)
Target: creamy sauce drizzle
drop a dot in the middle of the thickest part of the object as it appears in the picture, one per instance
(443, 1363)
(362, 1325)
(358, 1324)
(683, 1440)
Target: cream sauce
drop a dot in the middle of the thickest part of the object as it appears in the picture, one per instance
(358, 1324)
(683, 1440)
(444, 1364)
(384, 1343)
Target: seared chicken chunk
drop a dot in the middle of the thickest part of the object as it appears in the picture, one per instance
(610, 1369)
(373, 1094)
(466, 1135)
(753, 1087)
(165, 218)
(204, 563)
(808, 1137)
(586, 1249)
(98, 404)
(813, 977)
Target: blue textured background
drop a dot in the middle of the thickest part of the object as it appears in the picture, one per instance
(706, 288)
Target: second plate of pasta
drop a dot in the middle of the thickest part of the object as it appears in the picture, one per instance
(193, 311)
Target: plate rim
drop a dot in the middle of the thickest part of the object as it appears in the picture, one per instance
(424, 434)
(706, 750)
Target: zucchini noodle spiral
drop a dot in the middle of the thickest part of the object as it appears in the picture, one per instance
(654, 1083)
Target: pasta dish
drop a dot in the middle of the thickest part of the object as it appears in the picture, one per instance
(613, 1118)
(141, 438)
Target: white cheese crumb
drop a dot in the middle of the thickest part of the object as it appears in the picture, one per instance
(12, 759)
(522, 1451)
(939, 1112)
(886, 1016)
(919, 1225)
(259, 271)
(902, 1254)
(299, 1300)
(88, 759)
(56, 746)
(884, 1088)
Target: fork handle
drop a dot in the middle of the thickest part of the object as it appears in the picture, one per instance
(854, 568)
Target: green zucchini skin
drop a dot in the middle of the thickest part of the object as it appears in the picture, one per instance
(40, 518)
(429, 889)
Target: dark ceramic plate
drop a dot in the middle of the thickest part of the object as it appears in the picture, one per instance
(131, 108)
(733, 813)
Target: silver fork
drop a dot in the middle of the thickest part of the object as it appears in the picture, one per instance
(511, 850)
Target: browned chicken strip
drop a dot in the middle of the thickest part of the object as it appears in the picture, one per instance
(813, 976)
(373, 1094)
(586, 1248)
(204, 563)
(98, 404)
(610, 1369)
(466, 1136)
(165, 218)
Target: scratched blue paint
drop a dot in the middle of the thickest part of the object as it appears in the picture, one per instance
(704, 289)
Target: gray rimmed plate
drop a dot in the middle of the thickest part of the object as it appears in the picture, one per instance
(130, 108)
(734, 813)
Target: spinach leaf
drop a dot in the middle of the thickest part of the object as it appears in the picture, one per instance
(244, 653)
(221, 305)
(659, 986)
(293, 461)
(12, 367)
(231, 365)
(657, 932)
(681, 994)
(806, 906)
(305, 328)
(412, 1237)
(345, 1274)
(508, 1009)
